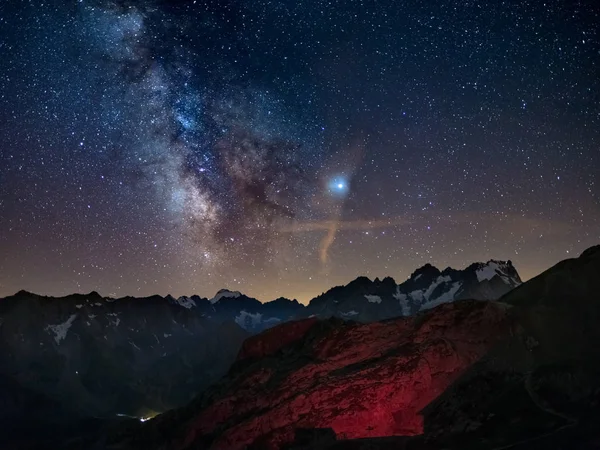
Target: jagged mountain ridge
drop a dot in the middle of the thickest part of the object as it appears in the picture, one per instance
(363, 299)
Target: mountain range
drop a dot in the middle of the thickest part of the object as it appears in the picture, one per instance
(363, 299)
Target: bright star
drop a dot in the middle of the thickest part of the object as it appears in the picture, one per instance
(338, 186)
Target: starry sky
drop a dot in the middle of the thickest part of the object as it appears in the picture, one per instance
(281, 147)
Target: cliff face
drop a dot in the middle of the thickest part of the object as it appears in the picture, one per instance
(360, 380)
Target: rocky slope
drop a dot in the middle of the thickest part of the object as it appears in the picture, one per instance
(360, 380)
(544, 377)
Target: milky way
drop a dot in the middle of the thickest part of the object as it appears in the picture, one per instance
(279, 148)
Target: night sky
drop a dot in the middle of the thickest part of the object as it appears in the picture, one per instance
(283, 147)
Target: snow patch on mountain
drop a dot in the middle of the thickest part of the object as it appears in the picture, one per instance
(416, 296)
(492, 268)
(350, 313)
(488, 271)
(403, 301)
(186, 302)
(60, 330)
(247, 320)
(224, 293)
(271, 321)
(439, 280)
(373, 298)
(446, 297)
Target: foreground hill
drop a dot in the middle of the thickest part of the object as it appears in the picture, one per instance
(360, 380)
(470, 374)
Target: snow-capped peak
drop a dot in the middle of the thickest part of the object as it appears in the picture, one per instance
(504, 270)
(225, 293)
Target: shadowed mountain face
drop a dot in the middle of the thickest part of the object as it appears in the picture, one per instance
(22, 410)
(101, 357)
(520, 373)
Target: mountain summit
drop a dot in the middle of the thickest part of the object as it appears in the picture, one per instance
(365, 300)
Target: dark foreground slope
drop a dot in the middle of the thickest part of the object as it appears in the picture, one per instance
(521, 373)
(22, 410)
(541, 384)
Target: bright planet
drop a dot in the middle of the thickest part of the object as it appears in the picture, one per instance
(338, 186)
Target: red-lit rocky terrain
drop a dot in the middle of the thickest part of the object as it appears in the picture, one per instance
(360, 380)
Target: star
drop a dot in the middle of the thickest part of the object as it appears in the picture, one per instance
(338, 186)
